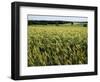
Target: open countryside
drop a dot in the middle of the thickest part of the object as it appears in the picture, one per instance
(57, 41)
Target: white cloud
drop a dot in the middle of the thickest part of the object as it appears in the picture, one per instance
(59, 18)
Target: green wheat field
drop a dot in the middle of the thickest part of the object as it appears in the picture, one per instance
(57, 45)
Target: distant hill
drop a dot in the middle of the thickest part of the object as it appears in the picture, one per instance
(42, 22)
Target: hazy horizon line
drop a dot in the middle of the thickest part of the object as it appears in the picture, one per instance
(57, 18)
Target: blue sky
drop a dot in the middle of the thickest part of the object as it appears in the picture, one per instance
(59, 18)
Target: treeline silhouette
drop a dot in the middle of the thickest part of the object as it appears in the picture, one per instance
(31, 22)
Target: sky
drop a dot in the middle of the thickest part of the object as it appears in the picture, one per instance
(57, 18)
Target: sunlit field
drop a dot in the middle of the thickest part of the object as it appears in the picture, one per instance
(57, 45)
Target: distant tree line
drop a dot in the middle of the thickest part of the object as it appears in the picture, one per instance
(30, 22)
